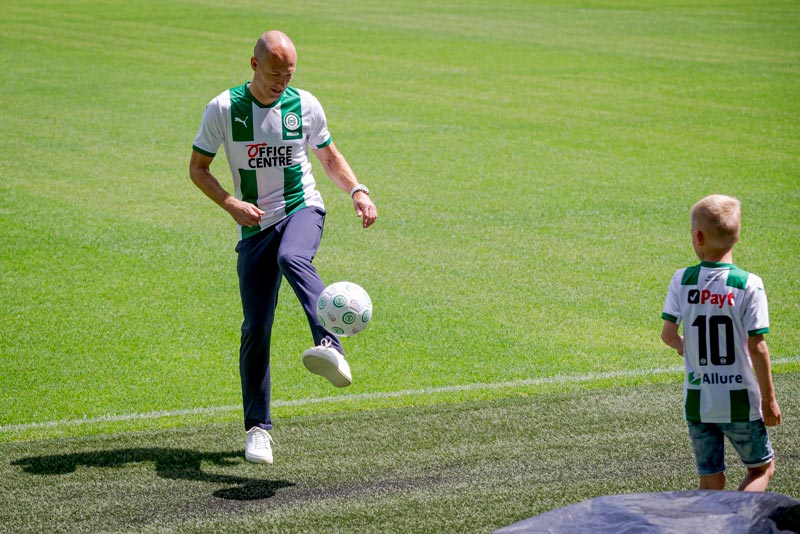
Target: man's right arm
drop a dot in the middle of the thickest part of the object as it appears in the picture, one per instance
(244, 213)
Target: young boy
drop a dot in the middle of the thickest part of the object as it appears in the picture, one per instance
(724, 313)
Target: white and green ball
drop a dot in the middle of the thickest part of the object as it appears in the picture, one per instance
(344, 309)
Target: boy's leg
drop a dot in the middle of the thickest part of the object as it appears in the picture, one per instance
(752, 444)
(758, 478)
(300, 238)
(708, 443)
(712, 482)
(259, 281)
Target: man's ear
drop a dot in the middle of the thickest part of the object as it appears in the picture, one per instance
(253, 63)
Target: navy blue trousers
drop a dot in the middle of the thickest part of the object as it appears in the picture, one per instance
(284, 250)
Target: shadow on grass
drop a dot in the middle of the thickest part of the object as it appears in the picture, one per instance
(173, 464)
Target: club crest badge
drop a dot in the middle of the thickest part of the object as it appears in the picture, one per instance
(291, 121)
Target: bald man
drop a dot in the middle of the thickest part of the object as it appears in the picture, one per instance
(266, 128)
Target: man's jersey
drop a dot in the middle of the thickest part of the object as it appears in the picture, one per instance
(267, 149)
(720, 306)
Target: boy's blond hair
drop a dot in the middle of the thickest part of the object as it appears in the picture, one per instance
(719, 218)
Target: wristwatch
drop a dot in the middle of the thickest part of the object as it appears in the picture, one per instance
(359, 187)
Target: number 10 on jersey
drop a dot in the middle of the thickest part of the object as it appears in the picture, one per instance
(711, 333)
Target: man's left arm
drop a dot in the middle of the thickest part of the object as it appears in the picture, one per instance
(339, 171)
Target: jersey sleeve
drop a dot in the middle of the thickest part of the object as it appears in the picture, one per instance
(756, 311)
(672, 304)
(318, 134)
(212, 130)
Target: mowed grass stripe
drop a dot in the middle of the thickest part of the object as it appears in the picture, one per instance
(513, 385)
(462, 467)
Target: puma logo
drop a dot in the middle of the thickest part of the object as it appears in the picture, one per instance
(237, 119)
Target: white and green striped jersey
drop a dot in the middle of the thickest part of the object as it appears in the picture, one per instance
(720, 306)
(267, 149)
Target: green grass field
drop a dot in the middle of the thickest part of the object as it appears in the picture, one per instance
(533, 164)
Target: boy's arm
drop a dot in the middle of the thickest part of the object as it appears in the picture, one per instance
(670, 336)
(759, 354)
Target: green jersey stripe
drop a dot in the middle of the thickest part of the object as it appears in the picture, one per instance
(241, 114)
(291, 114)
(690, 276)
(249, 186)
(250, 231)
(737, 278)
(293, 188)
(740, 405)
(692, 406)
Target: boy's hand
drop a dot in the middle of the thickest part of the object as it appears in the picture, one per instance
(772, 412)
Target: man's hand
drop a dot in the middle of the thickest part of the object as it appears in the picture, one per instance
(244, 213)
(339, 171)
(365, 209)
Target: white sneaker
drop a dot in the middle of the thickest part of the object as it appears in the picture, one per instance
(258, 446)
(326, 361)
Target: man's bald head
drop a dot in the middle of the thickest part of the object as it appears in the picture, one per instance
(277, 44)
(273, 63)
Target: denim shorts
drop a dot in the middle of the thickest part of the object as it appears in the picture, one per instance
(749, 439)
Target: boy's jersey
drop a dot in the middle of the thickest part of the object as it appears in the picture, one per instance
(720, 306)
(267, 149)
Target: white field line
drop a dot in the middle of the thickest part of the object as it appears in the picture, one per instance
(560, 379)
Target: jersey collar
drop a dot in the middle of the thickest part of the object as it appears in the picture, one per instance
(258, 102)
(716, 265)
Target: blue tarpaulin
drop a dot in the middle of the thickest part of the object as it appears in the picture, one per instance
(681, 512)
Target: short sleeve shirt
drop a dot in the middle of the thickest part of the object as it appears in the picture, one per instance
(720, 306)
(267, 149)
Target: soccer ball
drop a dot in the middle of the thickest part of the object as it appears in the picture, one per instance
(344, 309)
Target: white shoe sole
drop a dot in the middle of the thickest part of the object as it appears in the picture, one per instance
(257, 459)
(326, 366)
